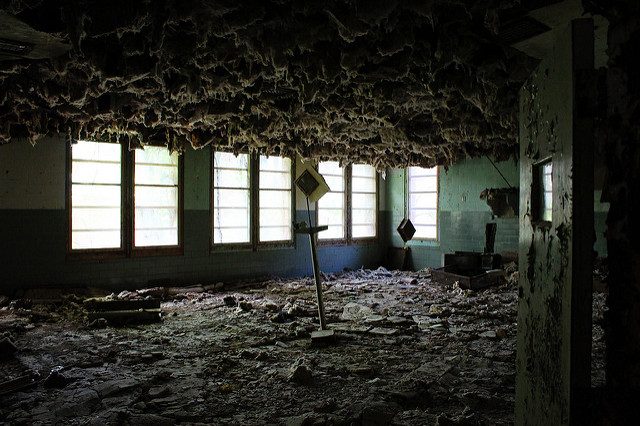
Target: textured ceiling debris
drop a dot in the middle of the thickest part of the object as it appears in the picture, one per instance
(389, 82)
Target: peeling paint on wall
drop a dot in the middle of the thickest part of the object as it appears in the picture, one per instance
(546, 316)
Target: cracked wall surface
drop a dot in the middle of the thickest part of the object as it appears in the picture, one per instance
(554, 331)
(387, 82)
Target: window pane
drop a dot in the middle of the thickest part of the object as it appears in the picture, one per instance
(231, 198)
(95, 239)
(328, 168)
(332, 200)
(234, 218)
(156, 155)
(547, 188)
(151, 196)
(275, 180)
(424, 184)
(421, 171)
(156, 197)
(335, 183)
(363, 231)
(94, 151)
(156, 237)
(277, 164)
(363, 170)
(156, 175)
(429, 232)
(333, 233)
(423, 216)
(227, 160)
(230, 235)
(359, 184)
(332, 217)
(270, 199)
(231, 178)
(276, 217)
(148, 218)
(363, 201)
(363, 216)
(275, 199)
(331, 206)
(423, 201)
(275, 233)
(96, 195)
(231, 207)
(86, 171)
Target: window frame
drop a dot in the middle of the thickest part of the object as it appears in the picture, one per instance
(254, 243)
(229, 246)
(407, 206)
(348, 216)
(175, 250)
(127, 213)
(538, 192)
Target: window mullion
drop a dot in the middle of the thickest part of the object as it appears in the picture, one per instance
(348, 204)
(127, 200)
(254, 199)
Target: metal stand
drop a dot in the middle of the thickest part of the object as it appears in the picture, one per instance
(312, 231)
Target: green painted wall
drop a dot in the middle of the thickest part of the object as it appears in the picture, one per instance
(196, 178)
(462, 214)
(33, 224)
(554, 307)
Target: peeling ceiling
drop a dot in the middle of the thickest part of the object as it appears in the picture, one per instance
(389, 82)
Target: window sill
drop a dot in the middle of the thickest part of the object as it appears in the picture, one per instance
(95, 255)
(218, 248)
(274, 245)
(423, 242)
(364, 241)
(158, 251)
(331, 243)
(352, 242)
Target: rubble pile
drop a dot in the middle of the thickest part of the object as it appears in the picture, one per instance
(407, 351)
(384, 82)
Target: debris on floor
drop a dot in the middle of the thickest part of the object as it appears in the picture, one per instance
(406, 351)
(7, 348)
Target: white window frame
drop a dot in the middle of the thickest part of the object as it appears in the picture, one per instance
(254, 208)
(408, 206)
(348, 215)
(127, 246)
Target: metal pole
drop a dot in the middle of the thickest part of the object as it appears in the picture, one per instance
(316, 272)
(316, 276)
(501, 175)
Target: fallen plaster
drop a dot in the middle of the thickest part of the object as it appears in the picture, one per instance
(409, 351)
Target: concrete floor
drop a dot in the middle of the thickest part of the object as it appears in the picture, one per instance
(408, 351)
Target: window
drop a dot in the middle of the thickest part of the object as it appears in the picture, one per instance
(423, 201)
(248, 190)
(331, 211)
(96, 203)
(353, 189)
(275, 199)
(122, 201)
(542, 192)
(156, 197)
(231, 195)
(547, 191)
(363, 201)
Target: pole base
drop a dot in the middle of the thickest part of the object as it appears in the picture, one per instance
(322, 336)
